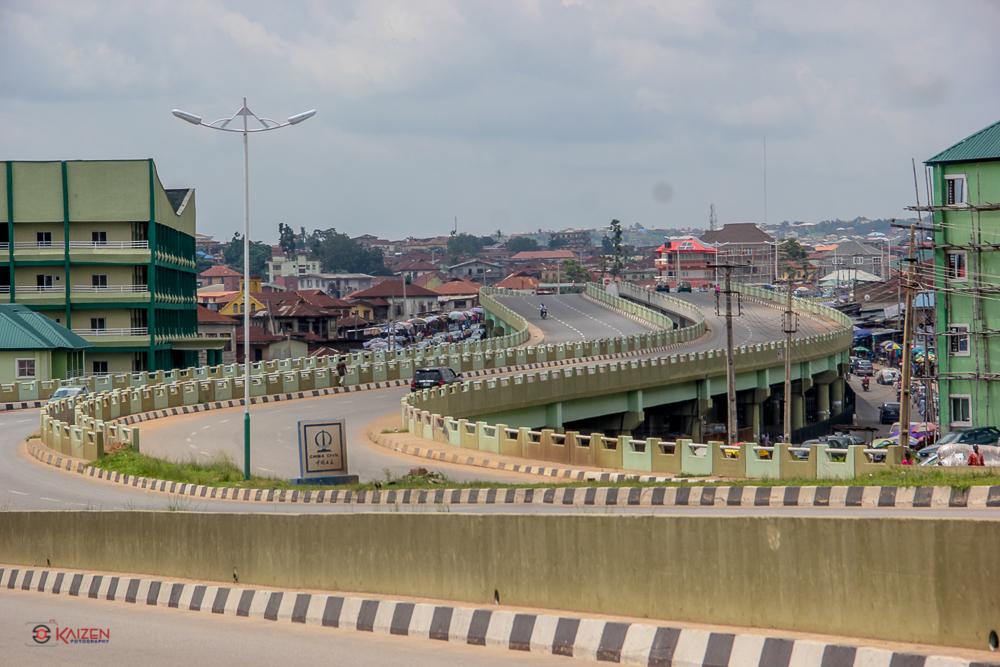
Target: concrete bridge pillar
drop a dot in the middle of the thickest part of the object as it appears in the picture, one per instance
(837, 396)
(798, 409)
(554, 415)
(822, 401)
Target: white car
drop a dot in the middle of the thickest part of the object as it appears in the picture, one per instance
(68, 392)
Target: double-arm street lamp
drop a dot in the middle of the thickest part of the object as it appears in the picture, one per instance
(265, 125)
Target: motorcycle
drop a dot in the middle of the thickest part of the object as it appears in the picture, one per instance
(545, 314)
(864, 384)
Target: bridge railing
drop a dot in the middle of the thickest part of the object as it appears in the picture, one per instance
(117, 397)
(466, 402)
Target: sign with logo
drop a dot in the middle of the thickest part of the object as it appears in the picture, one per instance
(322, 450)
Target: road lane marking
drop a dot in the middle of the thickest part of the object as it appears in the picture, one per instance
(19, 493)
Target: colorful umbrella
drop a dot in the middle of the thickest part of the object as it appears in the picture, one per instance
(861, 349)
(889, 345)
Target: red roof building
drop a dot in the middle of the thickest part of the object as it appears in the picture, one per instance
(685, 261)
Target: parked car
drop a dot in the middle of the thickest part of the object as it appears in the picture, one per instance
(69, 392)
(888, 413)
(887, 376)
(982, 435)
(864, 367)
(433, 376)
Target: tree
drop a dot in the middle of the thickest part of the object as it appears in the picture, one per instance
(465, 245)
(338, 253)
(555, 243)
(607, 247)
(260, 254)
(523, 244)
(618, 253)
(574, 272)
(287, 240)
(792, 251)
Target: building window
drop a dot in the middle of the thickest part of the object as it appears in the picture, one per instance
(954, 190)
(100, 368)
(961, 412)
(958, 266)
(959, 338)
(25, 369)
(99, 238)
(99, 280)
(97, 324)
(43, 239)
(859, 260)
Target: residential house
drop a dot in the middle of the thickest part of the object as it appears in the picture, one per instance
(33, 347)
(748, 248)
(519, 282)
(570, 238)
(212, 324)
(220, 274)
(337, 285)
(299, 266)
(265, 346)
(853, 256)
(393, 300)
(686, 260)
(103, 249)
(965, 206)
(458, 294)
(483, 272)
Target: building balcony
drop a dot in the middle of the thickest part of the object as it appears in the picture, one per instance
(39, 295)
(114, 337)
(123, 294)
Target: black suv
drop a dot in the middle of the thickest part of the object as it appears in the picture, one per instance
(888, 413)
(433, 376)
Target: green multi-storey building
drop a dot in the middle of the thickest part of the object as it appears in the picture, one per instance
(965, 205)
(102, 248)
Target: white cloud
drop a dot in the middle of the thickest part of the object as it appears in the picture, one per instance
(536, 113)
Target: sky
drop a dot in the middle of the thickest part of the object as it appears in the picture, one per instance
(509, 115)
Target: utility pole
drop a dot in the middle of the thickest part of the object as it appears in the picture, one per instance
(731, 426)
(790, 322)
(904, 398)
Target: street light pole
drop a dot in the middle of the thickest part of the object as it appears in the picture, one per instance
(265, 125)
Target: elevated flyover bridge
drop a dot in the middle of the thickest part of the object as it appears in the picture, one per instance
(681, 392)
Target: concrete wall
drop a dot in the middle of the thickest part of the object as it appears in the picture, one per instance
(915, 580)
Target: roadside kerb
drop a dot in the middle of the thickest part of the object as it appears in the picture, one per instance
(975, 497)
(585, 638)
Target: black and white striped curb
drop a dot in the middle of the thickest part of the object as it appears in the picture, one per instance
(974, 497)
(23, 405)
(589, 639)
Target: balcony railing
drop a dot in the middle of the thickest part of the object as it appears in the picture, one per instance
(134, 331)
(109, 245)
(38, 245)
(40, 289)
(78, 245)
(110, 288)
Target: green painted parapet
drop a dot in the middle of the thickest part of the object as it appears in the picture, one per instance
(696, 459)
(729, 461)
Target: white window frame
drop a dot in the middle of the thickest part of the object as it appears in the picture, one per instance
(959, 423)
(950, 198)
(956, 332)
(99, 238)
(27, 362)
(43, 239)
(951, 271)
(860, 260)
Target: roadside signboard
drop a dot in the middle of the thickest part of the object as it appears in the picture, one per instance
(322, 452)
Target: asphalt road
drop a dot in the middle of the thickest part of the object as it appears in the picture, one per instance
(153, 636)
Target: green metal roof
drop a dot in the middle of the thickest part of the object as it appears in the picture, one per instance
(23, 329)
(979, 147)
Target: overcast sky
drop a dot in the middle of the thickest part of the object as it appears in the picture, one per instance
(507, 114)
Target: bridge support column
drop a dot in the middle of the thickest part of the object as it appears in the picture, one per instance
(798, 409)
(837, 396)
(554, 415)
(822, 401)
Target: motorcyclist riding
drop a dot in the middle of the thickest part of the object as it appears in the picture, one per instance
(864, 383)
(544, 311)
